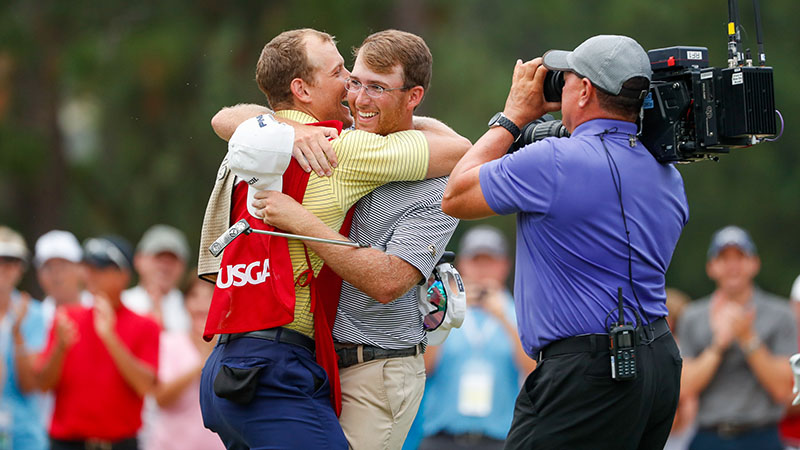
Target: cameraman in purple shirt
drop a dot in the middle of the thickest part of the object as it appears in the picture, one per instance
(595, 213)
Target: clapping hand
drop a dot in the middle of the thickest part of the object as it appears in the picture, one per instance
(65, 330)
(20, 311)
(104, 317)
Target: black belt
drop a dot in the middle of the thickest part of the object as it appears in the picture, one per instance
(355, 354)
(594, 343)
(732, 430)
(94, 444)
(467, 439)
(277, 334)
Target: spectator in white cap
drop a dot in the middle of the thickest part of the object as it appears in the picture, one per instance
(736, 345)
(474, 376)
(160, 261)
(22, 333)
(62, 277)
(58, 268)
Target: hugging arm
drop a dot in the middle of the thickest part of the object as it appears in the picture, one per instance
(445, 145)
(389, 276)
(312, 148)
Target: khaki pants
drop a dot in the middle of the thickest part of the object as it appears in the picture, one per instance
(380, 399)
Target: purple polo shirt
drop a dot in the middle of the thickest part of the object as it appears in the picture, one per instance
(572, 253)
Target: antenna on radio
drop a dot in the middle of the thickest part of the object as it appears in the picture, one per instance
(762, 57)
(735, 56)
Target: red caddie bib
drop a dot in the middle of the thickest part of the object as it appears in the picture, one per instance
(255, 284)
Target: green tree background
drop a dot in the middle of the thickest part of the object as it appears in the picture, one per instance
(105, 107)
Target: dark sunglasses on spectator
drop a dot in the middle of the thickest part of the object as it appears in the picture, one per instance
(10, 260)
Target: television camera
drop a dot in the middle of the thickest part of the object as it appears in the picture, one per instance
(694, 112)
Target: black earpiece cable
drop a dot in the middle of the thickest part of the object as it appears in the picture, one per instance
(615, 175)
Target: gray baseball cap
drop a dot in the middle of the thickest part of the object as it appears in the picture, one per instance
(164, 238)
(483, 240)
(731, 236)
(607, 61)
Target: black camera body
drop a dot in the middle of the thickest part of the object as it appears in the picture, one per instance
(695, 112)
(692, 112)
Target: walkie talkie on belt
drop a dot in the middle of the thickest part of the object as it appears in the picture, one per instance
(622, 337)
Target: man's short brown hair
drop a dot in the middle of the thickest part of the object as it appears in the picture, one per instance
(383, 50)
(627, 107)
(283, 59)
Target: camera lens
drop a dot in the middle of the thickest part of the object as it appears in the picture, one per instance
(543, 127)
(553, 85)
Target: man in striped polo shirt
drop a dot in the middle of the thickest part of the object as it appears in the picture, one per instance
(378, 327)
(329, 197)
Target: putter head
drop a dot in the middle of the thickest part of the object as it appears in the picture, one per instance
(237, 229)
(794, 361)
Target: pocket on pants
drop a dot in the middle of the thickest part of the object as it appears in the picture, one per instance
(237, 384)
(402, 382)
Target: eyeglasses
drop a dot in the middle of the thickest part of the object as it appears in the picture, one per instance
(437, 298)
(373, 90)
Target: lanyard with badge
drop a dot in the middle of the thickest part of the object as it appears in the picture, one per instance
(443, 306)
(476, 383)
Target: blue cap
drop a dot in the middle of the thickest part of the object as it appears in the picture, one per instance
(106, 251)
(731, 236)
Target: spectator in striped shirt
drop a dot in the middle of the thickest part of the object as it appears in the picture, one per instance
(378, 317)
(382, 94)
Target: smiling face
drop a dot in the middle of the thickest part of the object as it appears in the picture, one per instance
(162, 270)
(326, 89)
(483, 268)
(733, 270)
(109, 281)
(389, 112)
(11, 270)
(61, 279)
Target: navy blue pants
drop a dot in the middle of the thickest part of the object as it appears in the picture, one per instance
(269, 395)
(766, 438)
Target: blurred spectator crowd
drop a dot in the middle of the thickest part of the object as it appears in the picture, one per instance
(98, 363)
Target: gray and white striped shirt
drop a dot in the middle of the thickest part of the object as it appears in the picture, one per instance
(405, 219)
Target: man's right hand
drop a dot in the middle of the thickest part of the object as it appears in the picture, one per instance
(525, 100)
(20, 311)
(66, 331)
(282, 211)
(721, 318)
(313, 150)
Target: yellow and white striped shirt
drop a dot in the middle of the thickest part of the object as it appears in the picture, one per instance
(365, 161)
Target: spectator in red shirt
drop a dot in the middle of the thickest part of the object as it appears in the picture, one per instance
(100, 361)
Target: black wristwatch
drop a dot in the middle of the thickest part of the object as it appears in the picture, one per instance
(500, 120)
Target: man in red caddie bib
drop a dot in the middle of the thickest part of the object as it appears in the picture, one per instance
(262, 385)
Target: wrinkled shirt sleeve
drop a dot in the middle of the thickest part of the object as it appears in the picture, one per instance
(524, 181)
